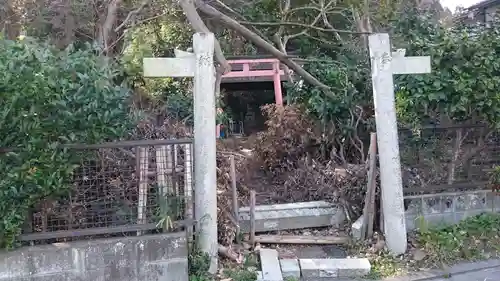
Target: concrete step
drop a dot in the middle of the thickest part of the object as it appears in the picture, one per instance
(334, 268)
(329, 269)
(292, 216)
(271, 269)
(290, 268)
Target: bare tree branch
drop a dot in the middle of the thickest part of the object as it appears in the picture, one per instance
(241, 17)
(298, 24)
(131, 16)
(198, 25)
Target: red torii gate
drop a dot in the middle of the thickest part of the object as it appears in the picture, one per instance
(248, 72)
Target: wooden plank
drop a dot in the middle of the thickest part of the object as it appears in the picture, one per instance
(369, 211)
(252, 217)
(169, 67)
(289, 206)
(299, 239)
(235, 197)
(271, 269)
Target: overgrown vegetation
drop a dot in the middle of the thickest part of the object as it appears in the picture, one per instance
(474, 238)
(199, 264)
(50, 98)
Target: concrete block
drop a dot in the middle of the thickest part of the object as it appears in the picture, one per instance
(290, 268)
(154, 257)
(175, 269)
(317, 268)
(446, 208)
(271, 270)
(45, 259)
(353, 267)
(332, 268)
(358, 228)
(292, 216)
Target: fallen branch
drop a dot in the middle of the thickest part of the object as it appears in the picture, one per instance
(298, 24)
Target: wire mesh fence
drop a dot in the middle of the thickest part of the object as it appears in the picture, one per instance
(453, 158)
(120, 188)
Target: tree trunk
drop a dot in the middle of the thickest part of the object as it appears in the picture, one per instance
(106, 29)
(9, 20)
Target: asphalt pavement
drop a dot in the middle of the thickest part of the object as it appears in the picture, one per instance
(476, 271)
(490, 274)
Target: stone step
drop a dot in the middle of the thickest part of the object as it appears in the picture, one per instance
(334, 268)
(271, 269)
(292, 216)
(290, 268)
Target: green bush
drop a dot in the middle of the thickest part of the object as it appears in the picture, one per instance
(48, 98)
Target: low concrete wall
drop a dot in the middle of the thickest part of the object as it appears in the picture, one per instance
(448, 208)
(152, 258)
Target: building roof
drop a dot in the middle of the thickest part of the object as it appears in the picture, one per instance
(484, 4)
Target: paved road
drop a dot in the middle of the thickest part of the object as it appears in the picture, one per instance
(492, 274)
(488, 270)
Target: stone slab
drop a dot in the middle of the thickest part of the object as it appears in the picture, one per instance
(331, 268)
(290, 268)
(271, 270)
(358, 229)
(292, 216)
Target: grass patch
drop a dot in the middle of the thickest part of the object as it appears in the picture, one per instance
(472, 239)
(244, 272)
(385, 265)
(199, 264)
(475, 238)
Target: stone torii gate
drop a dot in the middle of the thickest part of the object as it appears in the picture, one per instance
(199, 65)
(384, 65)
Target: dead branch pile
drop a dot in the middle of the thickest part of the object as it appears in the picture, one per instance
(287, 164)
